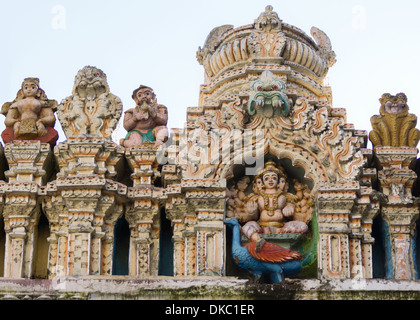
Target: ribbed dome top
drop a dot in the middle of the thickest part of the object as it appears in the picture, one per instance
(227, 48)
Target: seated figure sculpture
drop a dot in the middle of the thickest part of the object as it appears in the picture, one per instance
(146, 123)
(304, 202)
(31, 115)
(274, 207)
(236, 203)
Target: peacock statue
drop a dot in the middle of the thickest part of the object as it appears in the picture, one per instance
(272, 260)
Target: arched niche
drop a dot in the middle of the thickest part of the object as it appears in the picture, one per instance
(121, 247)
(293, 172)
(306, 243)
(378, 248)
(41, 248)
(166, 246)
(298, 161)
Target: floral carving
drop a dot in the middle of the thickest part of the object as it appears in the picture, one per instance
(267, 40)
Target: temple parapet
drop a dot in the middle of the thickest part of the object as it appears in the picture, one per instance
(266, 181)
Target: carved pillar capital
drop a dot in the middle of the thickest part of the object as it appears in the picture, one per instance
(28, 161)
(88, 156)
(143, 161)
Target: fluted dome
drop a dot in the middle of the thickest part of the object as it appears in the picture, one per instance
(268, 43)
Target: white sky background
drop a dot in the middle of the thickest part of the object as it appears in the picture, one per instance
(155, 43)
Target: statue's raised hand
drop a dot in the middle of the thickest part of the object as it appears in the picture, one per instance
(251, 207)
(288, 210)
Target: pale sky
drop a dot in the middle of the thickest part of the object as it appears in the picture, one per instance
(155, 43)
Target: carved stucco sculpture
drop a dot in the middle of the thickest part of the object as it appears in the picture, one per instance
(84, 200)
(146, 123)
(31, 115)
(394, 127)
(92, 109)
(223, 132)
(231, 57)
(268, 97)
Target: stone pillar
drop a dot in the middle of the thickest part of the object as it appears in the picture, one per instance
(355, 246)
(81, 196)
(210, 242)
(55, 210)
(27, 162)
(399, 212)
(196, 210)
(190, 245)
(361, 219)
(176, 207)
(335, 204)
(87, 206)
(108, 210)
(144, 242)
(179, 254)
(20, 214)
(361, 240)
(143, 213)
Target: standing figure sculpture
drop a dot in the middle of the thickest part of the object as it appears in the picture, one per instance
(146, 122)
(31, 115)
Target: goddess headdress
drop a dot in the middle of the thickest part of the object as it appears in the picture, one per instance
(270, 166)
(19, 96)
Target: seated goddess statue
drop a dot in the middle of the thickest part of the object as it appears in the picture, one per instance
(31, 115)
(274, 207)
